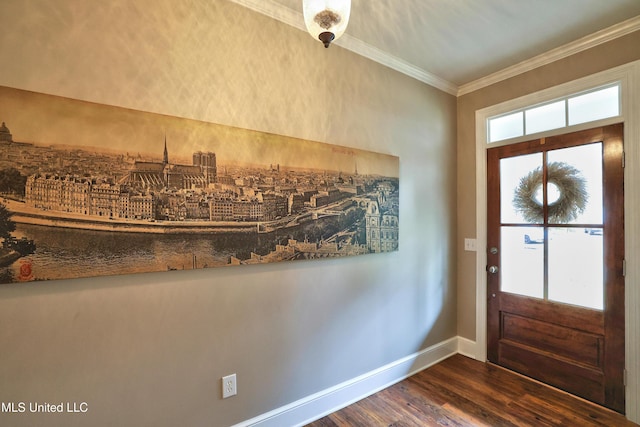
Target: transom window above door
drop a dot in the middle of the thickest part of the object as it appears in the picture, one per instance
(596, 104)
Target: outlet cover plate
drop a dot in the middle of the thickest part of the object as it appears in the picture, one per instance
(229, 386)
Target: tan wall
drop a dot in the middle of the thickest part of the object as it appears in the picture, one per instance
(150, 349)
(600, 58)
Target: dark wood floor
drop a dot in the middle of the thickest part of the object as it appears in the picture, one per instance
(464, 392)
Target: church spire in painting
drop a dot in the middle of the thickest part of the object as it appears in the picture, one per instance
(165, 159)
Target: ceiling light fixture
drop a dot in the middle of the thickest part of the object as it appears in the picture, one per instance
(326, 20)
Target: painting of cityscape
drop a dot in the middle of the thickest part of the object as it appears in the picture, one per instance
(90, 190)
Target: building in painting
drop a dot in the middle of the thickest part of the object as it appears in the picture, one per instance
(5, 134)
(207, 164)
(381, 228)
(156, 176)
(10, 148)
(87, 196)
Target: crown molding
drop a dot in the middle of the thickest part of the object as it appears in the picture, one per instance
(366, 50)
(584, 43)
(294, 18)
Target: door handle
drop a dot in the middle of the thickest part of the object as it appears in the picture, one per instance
(492, 269)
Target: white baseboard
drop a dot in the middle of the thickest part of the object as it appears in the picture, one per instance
(332, 399)
(468, 348)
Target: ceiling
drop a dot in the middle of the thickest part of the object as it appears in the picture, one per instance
(455, 45)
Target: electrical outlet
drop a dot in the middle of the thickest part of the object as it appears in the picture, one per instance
(229, 386)
(470, 245)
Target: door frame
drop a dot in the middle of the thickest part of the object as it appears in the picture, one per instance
(629, 77)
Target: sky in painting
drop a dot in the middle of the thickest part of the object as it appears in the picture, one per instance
(51, 120)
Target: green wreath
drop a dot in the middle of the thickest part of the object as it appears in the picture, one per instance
(571, 202)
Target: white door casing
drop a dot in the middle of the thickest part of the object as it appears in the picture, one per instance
(629, 77)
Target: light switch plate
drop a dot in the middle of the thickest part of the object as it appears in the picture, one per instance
(470, 245)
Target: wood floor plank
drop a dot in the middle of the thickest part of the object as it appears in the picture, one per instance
(472, 406)
(419, 408)
(426, 407)
(462, 392)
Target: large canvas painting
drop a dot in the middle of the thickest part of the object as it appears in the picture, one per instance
(89, 189)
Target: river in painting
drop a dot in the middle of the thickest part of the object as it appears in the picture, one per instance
(69, 253)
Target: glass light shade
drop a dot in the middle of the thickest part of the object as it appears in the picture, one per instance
(326, 20)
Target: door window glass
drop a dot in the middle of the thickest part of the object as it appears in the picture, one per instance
(522, 261)
(551, 213)
(576, 266)
(513, 173)
(577, 174)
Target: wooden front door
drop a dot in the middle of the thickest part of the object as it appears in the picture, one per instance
(555, 273)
